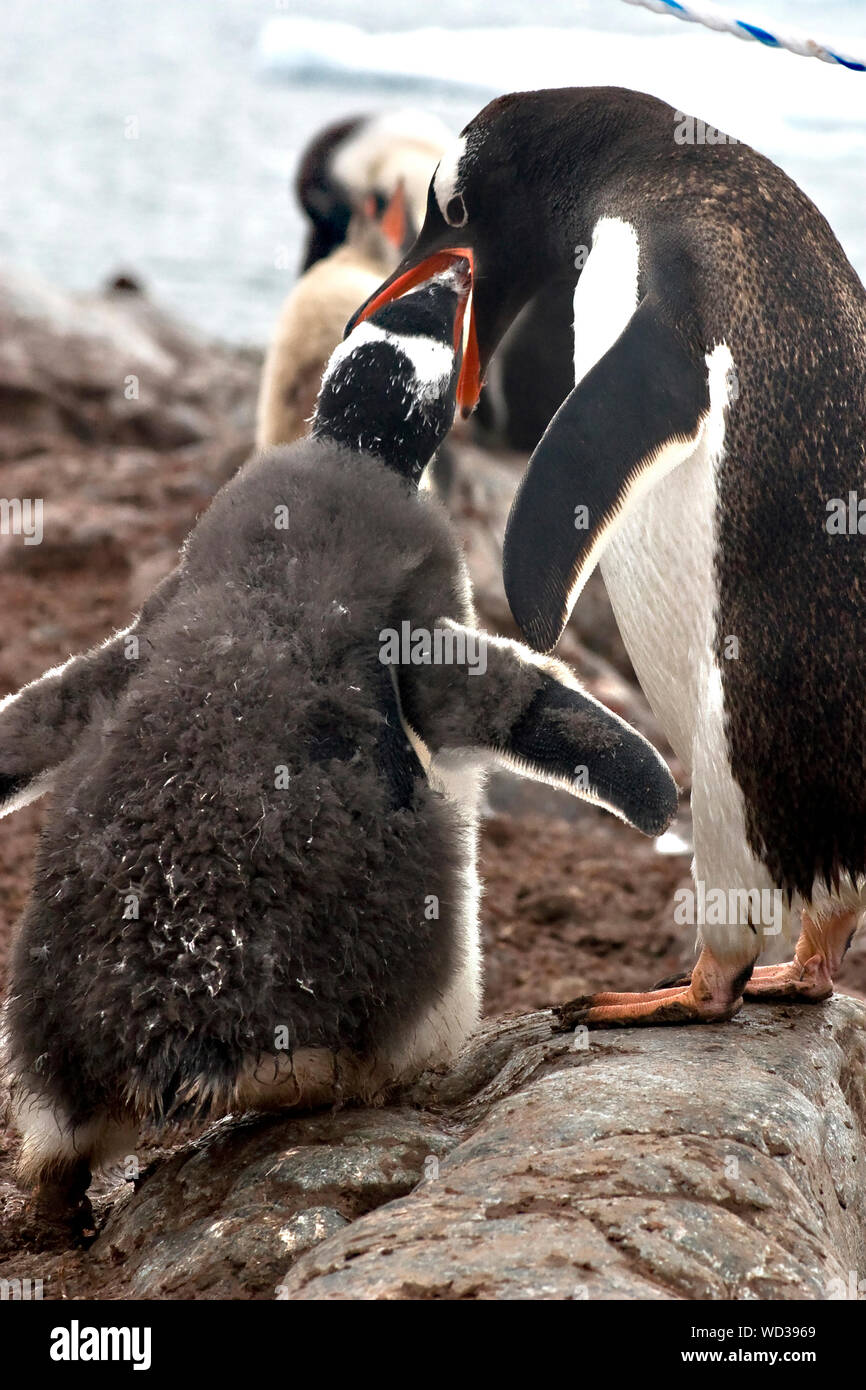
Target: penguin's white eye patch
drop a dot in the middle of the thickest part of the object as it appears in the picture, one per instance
(446, 178)
(455, 211)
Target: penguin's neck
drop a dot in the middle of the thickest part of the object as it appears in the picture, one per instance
(395, 454)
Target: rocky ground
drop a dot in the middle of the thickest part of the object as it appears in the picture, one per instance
(536, 1169)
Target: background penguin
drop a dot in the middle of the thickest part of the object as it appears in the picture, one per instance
(362, 157)
(718, 411)
(256, 885)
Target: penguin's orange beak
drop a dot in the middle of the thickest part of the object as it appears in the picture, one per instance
(469, 383)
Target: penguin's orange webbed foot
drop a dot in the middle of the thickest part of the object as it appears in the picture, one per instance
(817, 960)
(714, 994)
(809, 982)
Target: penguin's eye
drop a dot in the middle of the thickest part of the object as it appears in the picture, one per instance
(455, 211)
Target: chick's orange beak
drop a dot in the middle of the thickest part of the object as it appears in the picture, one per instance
(469, 384)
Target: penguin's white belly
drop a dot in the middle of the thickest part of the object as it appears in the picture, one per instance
(658, 570)
(437, 1036)
(657, 559)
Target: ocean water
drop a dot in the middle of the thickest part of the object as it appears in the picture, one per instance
(161, 137)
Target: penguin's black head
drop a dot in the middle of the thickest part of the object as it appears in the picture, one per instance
(390, 387)
(326, 202)
(507, 197)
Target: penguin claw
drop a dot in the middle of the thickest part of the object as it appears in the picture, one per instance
(62, 1206)
(818, 958)
(587, 1007)
(570, 1014)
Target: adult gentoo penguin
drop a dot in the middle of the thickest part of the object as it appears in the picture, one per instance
(256, 884)
(719, 408)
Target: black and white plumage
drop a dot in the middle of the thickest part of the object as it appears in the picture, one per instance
(256, 884)
(718, 410)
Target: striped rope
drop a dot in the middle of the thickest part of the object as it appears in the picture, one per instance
(713, 18)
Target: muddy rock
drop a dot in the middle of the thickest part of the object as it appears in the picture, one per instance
(120, 424)
(714, 1163)
(722, 1162)
(221, 1216)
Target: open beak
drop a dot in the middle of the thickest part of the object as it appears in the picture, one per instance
(469, 383)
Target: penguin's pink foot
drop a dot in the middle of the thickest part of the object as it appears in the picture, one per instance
(809, 981)
(817, 960)
(712, 995)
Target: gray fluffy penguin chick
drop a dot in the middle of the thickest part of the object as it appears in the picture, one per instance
(256, 885)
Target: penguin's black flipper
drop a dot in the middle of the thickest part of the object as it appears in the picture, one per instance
(634, 417)
(530, 713)
(41, 723)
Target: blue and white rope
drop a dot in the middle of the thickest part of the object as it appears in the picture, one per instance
(714, 18)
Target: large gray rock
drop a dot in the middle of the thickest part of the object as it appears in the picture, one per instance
(220, 1218)
(721, 1162)
(709, 1162)
(112, 368)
